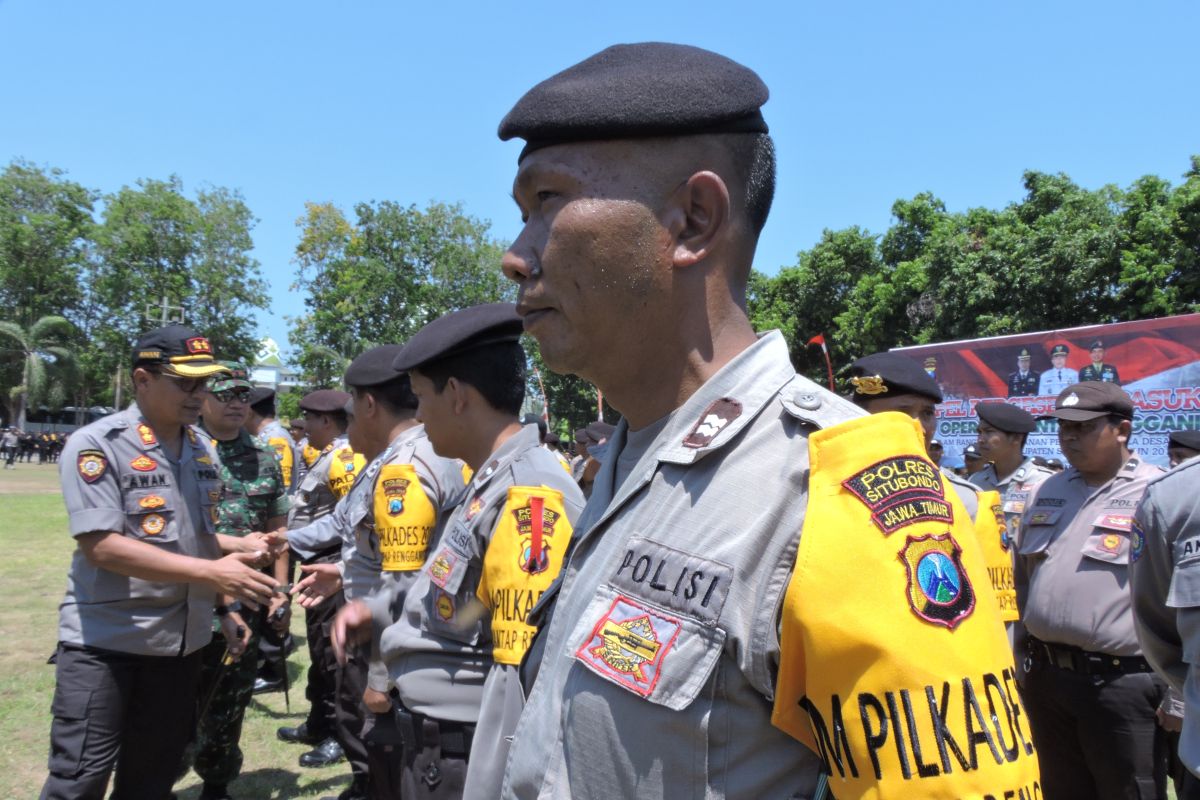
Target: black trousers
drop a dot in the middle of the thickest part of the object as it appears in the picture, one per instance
(1096, 735)
(350, 713)
(135, 713)
(435, 757)
(321, 690)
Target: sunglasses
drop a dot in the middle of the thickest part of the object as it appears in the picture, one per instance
(185, 385)
(227, 395)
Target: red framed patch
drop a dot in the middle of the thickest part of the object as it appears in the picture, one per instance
(629, 644)
(144, 464)
(92, 464)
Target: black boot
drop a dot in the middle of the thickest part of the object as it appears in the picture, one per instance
(323, 755)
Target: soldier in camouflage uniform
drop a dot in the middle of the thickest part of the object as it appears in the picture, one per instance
(255, 499)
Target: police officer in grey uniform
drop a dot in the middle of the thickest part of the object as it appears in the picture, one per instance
(1182, 445)
(321, 486)
(1003, 429)
(458, 701)
(1089, 692)
(141, 488)
(1164, 580)
(384, 429)
(645, 181)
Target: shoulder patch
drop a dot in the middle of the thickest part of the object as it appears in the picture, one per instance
(939, 590)
(629, 644)
(714, 419)
(92, 465)
(900, 491)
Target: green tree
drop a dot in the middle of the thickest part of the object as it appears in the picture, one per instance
(46, 362)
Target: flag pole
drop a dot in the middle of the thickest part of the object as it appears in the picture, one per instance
(820, 339)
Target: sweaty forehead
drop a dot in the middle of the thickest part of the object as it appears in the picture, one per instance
(616, 165)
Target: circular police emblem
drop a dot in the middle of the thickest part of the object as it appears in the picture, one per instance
(527, 562)
(938, 578)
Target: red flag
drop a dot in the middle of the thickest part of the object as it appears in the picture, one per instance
(818, 339)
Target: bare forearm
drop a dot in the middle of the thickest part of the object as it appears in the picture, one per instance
(129, 557)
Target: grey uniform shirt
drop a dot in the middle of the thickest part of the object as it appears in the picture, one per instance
(314, 497)
(1016, 489)
(117, 477)
(1164, 581)
(654, 674)
(1072, 565)
(438, 649)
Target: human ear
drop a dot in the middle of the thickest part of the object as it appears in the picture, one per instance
(698, 217)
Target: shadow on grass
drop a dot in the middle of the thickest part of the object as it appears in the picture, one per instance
(273, 784)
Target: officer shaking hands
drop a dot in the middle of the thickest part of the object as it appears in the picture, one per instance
(141, 488)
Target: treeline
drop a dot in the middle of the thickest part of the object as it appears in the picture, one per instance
(82, 274)
(1061, 256)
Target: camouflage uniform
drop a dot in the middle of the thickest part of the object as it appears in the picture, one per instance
(254, 493)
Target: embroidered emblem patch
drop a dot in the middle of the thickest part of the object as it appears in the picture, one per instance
(152, 501)
(1040, 518)
(869, 385)
(203, 460)
(91, 464)
(445, 606)
(1120, 522)
(628, 645)
(198, 345)
(147, 435)
(214, 496)
(1137, 541)
(535, 523)
(153, 524)
(998, 513)
(939, 590)
(1070, 400)
(442, 567)
(394, 489)
(475, 507)
(1110, 543)
(714, 419)
(144, 464)
(901, 491)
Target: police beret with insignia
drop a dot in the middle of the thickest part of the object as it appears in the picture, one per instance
(1188, 439)
(459, 332)
(890, 374)
(373, 367)
(639, 90)
(324, 401)
(1092, 399)
(260, 393)
(238, 378)
(177, 350)
(1006, 417)
(1059, 350)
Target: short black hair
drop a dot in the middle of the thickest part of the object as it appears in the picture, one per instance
(497, 371)
(396, 395)
(264, 407)
(753, 156)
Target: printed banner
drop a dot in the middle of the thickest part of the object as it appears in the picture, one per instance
(1156, 360)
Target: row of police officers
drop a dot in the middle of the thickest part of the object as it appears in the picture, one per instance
(768, 592)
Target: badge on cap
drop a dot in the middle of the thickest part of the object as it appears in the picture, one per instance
(92, 464)
(1070, 400)
(869, 385)
(198, 345)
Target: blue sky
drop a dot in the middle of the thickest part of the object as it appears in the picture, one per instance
(347, 102)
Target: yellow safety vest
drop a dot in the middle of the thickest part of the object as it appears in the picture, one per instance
(283, 452)
(895, 668)
(523, 558)
(404, 518)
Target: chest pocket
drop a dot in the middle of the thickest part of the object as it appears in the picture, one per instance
(452, 608)
(1109, 540)
(1037, 532)
(150, 516)
(659, 655)
(210, 503)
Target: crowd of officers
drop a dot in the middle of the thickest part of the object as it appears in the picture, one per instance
(18, 446)
(749, 587)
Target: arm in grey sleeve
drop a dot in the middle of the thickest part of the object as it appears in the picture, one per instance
(1149, 582)
(90, 487)
(322, 533)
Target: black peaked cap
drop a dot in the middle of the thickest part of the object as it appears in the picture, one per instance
(373, 367)
(324, 401)
(1090, 399)
(1006, 417)
(889, 374)
(1188, 439)
(636, 90)
(458, 332)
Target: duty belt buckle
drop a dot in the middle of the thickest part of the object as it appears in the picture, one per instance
(1095, 663)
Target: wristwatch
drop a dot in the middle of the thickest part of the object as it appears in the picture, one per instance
(235, 607)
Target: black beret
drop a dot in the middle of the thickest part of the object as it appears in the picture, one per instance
(373, 367)
(260, 393)
(891, 374)
(324, 401)
(1188, 439)
(1060, 350)
(458, 332)
(1091, 399)
(1006, 417)
(638, 90)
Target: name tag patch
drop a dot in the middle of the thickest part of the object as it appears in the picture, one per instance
(1120, 522)
(901, 491)
(629, 644)
(682, 582)
(939, 590)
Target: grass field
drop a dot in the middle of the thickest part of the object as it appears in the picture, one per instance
(32, 578)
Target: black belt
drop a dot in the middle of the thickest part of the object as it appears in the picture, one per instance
(418, 731)
(1084, 662)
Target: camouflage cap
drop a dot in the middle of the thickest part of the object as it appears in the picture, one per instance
(238, 377)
